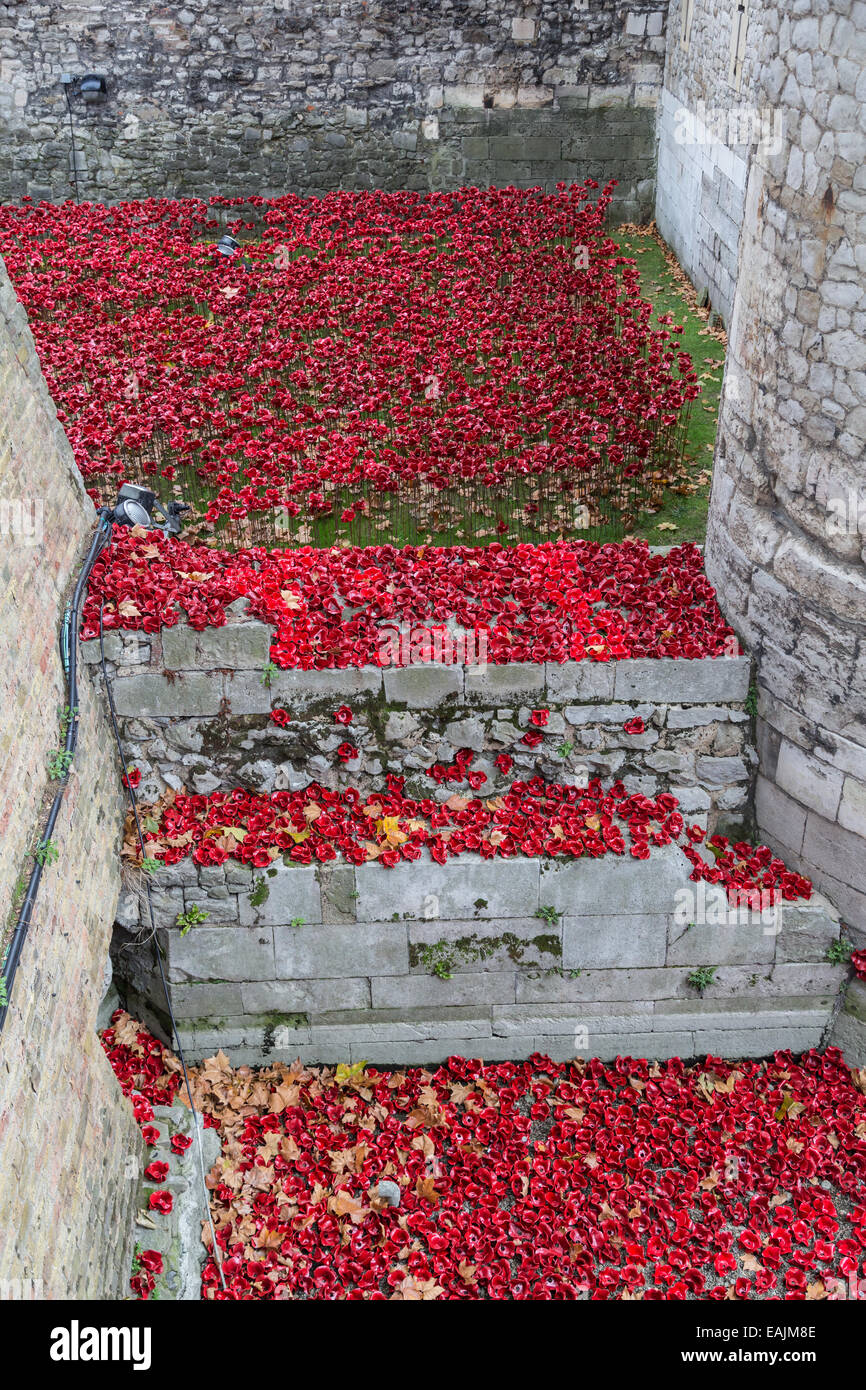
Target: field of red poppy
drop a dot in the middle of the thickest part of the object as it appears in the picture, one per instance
(551, 602)
(454, 367)
(522, 1180)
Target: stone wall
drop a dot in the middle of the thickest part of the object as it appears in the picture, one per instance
(849, 1029)
(492, 958)
(304, 96)
(195, 714)
(706, 131)
(787, 525)
(177, 1234)
(69, 1146)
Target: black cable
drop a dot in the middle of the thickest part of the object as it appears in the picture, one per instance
(69, 652)
(72, 133)
(174, 1032)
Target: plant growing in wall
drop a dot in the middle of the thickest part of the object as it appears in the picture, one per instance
(702, 978)
(46, 853)
(260, 893)
(193, 917)
(59, 763)
(839, 952)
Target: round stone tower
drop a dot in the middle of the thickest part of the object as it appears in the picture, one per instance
(787, 535)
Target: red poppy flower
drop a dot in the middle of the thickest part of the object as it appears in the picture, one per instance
(634, 726)
(343, 715)
(281, 717)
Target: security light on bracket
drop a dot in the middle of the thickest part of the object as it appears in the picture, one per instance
(138, 506)
(91, 87)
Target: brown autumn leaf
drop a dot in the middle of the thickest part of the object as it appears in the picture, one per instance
(344, 1204)
(425, 1188)
(414, 1290)
(706, 1088)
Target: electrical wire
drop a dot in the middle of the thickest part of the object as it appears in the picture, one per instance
(72, 134)
(174, 1031)
(69, 655)
(68, 652)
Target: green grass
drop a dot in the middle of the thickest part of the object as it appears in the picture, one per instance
(680, 516)
(686, 513)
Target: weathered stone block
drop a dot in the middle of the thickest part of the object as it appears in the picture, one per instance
(579, 680)
(725, 943)
(423, 686)
(680, 681)
(321, 952)
(571, 1019)
(839, 852)
(514, 680)
(207, 1000)
(299, 689)
(809, 780)
(756, 1042)
(220, 954)
(292, 892)
(380, 1025)
(779, 816)
(719, 772)
(188, 693)
(615, 885)
(849, 1034)
(460, 889)
(478, 946)
(597, 942)
(808, 930)
(653, 1047)
(304, 996)
(394, 991)
(241, 646)
(337, 885)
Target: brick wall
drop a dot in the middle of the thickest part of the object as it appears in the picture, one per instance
(69, 1147)
(306, 97)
